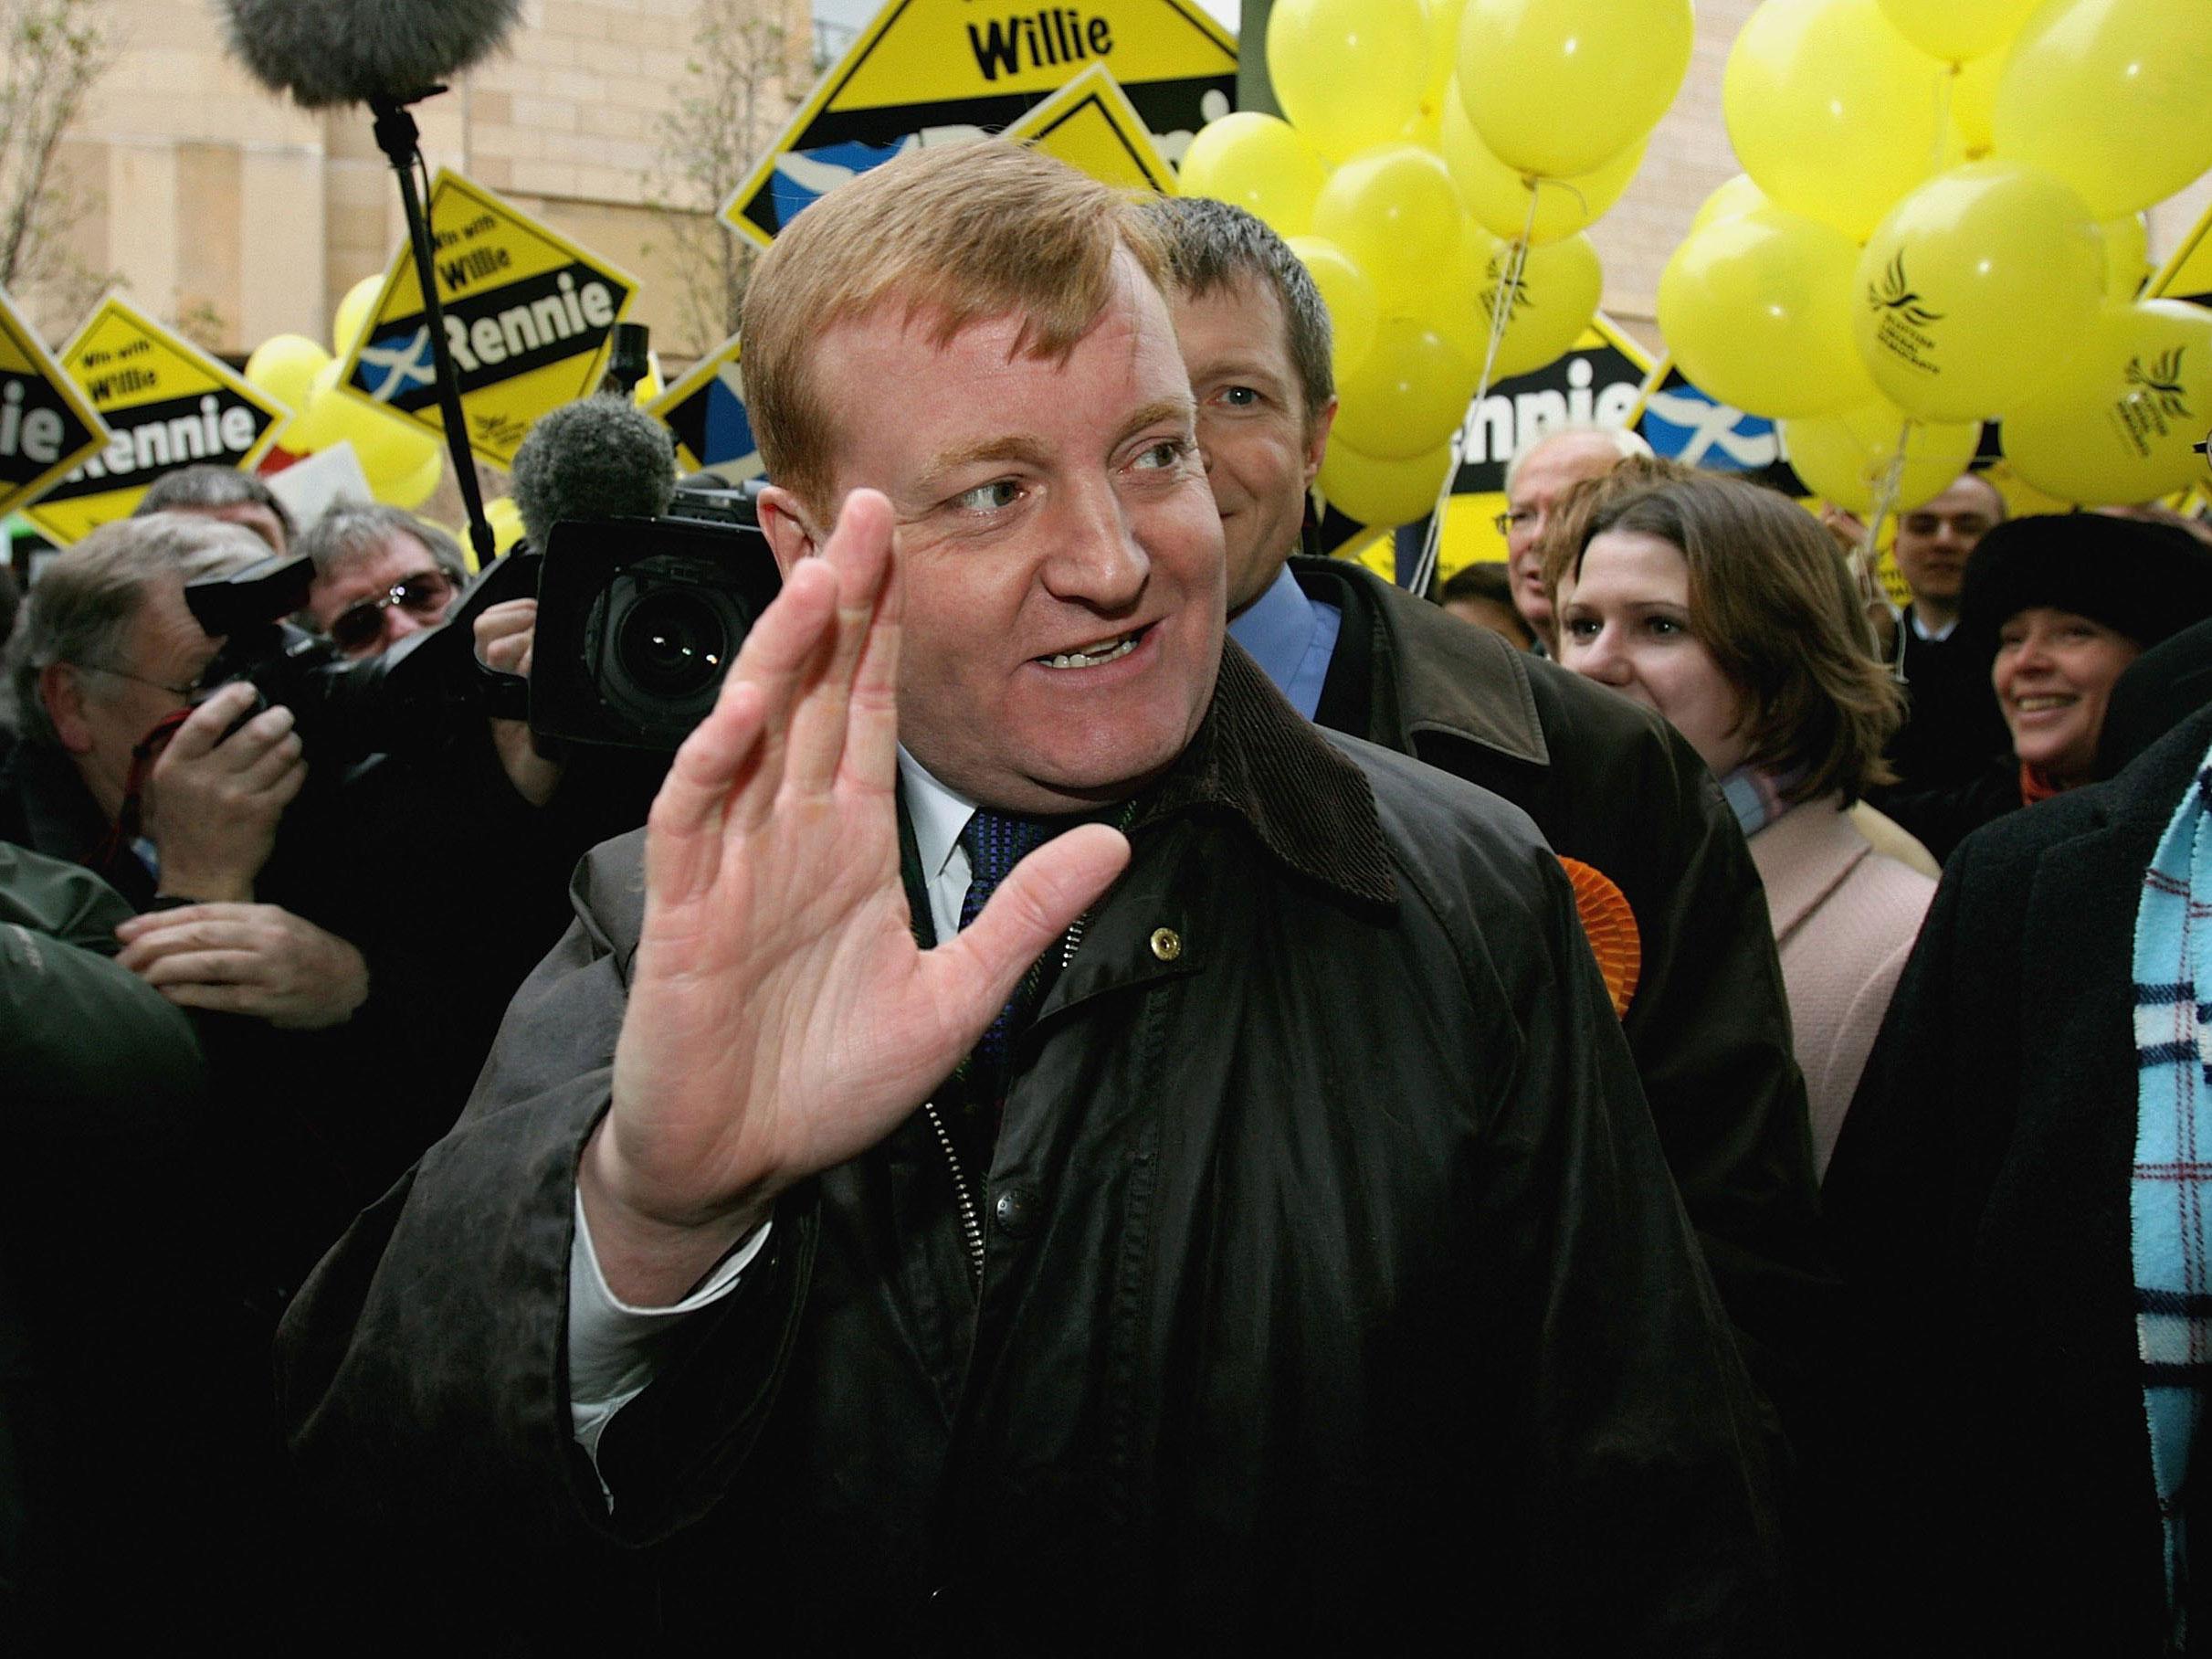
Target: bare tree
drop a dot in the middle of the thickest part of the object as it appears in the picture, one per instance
(738, 90)
(51, 51)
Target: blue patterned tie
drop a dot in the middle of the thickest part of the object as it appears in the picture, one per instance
(996, 842)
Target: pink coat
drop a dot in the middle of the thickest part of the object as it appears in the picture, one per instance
(1845, 918)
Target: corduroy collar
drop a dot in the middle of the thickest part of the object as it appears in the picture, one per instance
(1308, 805)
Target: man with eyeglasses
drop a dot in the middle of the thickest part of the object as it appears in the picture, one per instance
(380, 574)
(110, 767)
(1537, 481)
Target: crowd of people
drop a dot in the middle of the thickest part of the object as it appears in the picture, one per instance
(1131, 1085)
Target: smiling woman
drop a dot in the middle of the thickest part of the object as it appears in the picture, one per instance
(1726, 608)
(2059, 606)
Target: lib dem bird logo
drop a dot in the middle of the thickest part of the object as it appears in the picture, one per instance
(2162, 383)
(1896, 296)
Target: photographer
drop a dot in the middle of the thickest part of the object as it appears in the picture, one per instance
(177, 809)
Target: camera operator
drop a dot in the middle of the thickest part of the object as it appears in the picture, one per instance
(381, 574)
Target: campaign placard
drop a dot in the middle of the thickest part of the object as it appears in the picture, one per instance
(706, 411)
(166, 404)
(934, 72)
(1595, 383)
(1090, 124)
(529, 317)
(46, 425)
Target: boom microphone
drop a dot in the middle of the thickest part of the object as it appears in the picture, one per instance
(599, 458)
(329, 52)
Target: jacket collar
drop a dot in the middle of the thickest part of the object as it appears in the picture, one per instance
(1433, 672)
(1307, 804)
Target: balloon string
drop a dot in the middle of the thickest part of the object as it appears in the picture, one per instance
(1890, 487)
(1946, 86)
(1501, 314)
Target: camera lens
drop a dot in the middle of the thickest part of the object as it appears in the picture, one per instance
(672, 643)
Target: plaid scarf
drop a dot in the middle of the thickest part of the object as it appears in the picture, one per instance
(2170, 1197)
(1755, 796)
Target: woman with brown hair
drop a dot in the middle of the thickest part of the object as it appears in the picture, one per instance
(1727, 608)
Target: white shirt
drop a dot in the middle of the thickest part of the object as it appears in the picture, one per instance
(614, 1346)
(1932, 636)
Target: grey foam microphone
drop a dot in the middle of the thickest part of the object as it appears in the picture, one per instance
(331, 52)
(599, 458)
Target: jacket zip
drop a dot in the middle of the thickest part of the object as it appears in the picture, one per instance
(971, 1218)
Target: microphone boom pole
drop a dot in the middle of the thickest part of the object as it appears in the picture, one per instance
(401, 141)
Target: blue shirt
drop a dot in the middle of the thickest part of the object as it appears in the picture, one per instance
(1292, 638)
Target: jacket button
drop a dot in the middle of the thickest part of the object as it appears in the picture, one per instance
(1018, 1210)
(1166, 943)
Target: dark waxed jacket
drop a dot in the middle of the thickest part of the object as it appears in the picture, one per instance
(1334, 1290)
(1613, 785)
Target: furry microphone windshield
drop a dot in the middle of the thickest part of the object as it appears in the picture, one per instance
(331, 52)
(600, 458)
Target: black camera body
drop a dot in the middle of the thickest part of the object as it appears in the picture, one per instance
(412, 697)
(639, 618)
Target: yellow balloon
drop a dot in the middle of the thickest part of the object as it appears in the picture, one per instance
(1559, 86)
(1975, 289)
(1425, 127)
(2127, 256)
(1348, 73)
(418, 486)
(1956, 30)
(1261, 164)
(506, 520)
(318, 420)
(1408, 397)
(390, 447)
(1757, 310)
(1354, 312)
(1831, 110)
(1396, 213)
(1443, 45)
(1501, 198)
(352, 313)
(1846, 457)
(1738, 197)
(1561, 284)
(2124, 422)
(2115, 97)
(285, 365)
(1372, 491)
(1974, 99)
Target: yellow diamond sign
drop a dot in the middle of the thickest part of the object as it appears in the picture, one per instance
(528, 313)
(166, 404)
(46, 425)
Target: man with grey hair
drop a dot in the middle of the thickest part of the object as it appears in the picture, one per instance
(177, 806)
(223, 493)
(1615, 790)
(1537, 480)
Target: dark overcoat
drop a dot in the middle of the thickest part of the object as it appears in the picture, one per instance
(1979, 1200)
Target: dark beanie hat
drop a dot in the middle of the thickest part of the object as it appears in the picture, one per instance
(2142, 580)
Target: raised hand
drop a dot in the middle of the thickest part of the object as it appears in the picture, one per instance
(213, 802)
(781, 1020)
(253, 959)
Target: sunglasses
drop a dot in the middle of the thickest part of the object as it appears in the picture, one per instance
(422, 596)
